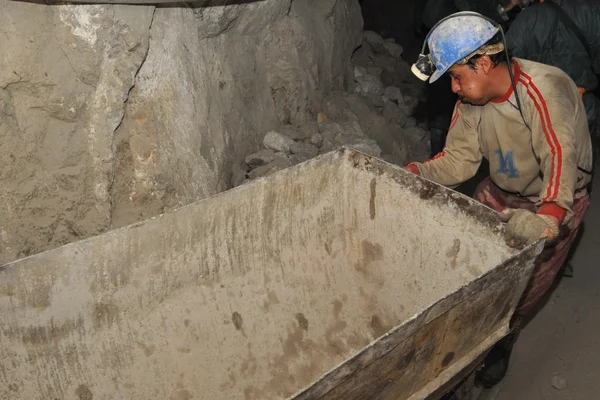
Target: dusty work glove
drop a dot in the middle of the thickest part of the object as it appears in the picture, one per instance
(525, 227)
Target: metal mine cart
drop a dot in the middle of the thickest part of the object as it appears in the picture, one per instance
(343, 277)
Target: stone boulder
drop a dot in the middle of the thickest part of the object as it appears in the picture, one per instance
(65, 78)
(112, 113)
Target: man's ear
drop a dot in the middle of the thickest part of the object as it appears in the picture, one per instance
(485, 63)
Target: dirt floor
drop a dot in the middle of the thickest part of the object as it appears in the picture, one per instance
(561, 345)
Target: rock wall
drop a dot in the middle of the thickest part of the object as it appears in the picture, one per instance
(376, 116)
(111, 114)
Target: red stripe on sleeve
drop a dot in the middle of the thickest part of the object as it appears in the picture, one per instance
(454, 119)
(551, 138)
(455, 116)
(452, 123)
(438, 155)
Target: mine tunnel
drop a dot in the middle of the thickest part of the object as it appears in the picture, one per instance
(270, 199)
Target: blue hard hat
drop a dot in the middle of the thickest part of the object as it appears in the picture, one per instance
(456, 38)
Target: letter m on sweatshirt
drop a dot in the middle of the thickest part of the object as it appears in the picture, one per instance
(506, 164)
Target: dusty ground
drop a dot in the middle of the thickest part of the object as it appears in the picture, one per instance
(562, 339)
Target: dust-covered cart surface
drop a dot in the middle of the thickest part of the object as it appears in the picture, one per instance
(343, 277)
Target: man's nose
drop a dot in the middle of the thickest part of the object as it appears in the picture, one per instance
(455, 86)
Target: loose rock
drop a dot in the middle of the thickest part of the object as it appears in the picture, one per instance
(363, 56)
(375, 71)
(385, 62)
(329, 145)
(263, 170)
(410, 101)
(393, 93)
(316, 139)
(372, 38)
(385, 134)
(351, 128)
(375, 100)
(393, 159)
(280, 162)
(305, 149)
(259, 158)
(363, 109)
(370, 84)
(299, 158)
(393, 49)
(415, 132)
(308, 129)
(403, 71)
(332, 138)
(391, 78)
(410, 122)
(394, 114)
(330, 129)
(336, 108)
(293, 132)
(278, 142)
(359, 72)
(338, 139)
(364, 145)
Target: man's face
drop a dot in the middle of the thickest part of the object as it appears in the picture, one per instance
(470, 84)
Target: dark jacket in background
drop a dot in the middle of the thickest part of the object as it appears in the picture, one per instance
(538, 34)
(435, 10)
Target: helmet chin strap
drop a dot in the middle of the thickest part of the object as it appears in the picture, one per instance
(423, 68)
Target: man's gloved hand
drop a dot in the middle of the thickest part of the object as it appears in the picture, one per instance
(525, 227)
